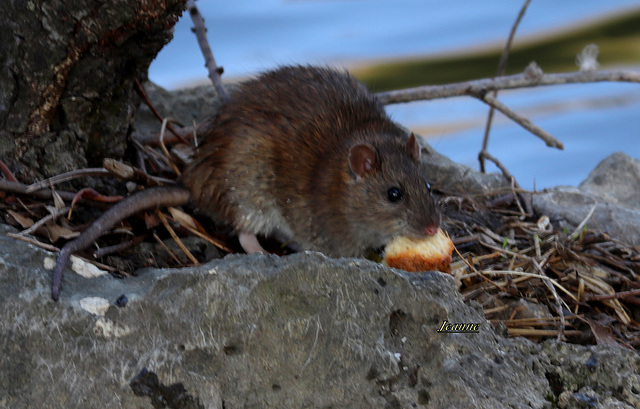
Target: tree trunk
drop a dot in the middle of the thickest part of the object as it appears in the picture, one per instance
(67, 96)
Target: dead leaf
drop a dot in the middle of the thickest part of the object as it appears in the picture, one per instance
(89, 193)
(23, 221)
(183, 218)
(55, 232)
(119, 169)
(57, 200)
(604, 336)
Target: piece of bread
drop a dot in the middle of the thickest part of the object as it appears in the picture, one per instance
(430, 253)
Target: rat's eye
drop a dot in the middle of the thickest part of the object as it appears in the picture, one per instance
(394, 194)
(427, 183)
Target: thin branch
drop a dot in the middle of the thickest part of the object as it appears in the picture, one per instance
(522, 121)
(128, 172)
(175, 237)
(556, 297)
(165, 123)
(219, 244)
(43, 194)
(105, 251)
(605, 297)
(156, 160)
(7, 172)
(523, 274)
(51, 216)
(524, 80)
(151, 139)
(144, 96)
(502, 66)
(64, 177)
(33, 241)
(210, 62)
(576, 232)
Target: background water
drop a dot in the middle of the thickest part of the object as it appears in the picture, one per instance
(592, 120)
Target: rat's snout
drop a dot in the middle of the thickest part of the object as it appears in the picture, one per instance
(430, 225)
(430, 230)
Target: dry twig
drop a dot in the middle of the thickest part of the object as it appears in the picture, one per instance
(536, 261)
(42, 194)
(502, 66)
(524, 80)
(7, 173)
(155, 112)
(210, 62)
(175, 238)
(520, 120)
(65, 177)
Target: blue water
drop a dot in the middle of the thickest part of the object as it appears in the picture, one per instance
(253, 35)
(588, 135)
(591, 120)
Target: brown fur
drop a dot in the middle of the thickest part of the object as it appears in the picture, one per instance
(302, 152)
(276, 160)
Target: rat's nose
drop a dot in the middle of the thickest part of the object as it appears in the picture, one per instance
(430, 230)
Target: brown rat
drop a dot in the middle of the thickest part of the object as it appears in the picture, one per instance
(304, 153)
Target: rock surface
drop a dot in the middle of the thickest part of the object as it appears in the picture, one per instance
(263, 331)
(616, 180)
(456, 179)
(613, 188)
(184, 105)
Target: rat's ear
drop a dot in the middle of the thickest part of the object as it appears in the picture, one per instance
(362, 159)
(413, 147)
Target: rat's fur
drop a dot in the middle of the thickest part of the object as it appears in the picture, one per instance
(306, 153)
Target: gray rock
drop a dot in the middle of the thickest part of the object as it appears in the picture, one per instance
(456, 179)
(591, 375)
(184, 105)
(613, 187)
(616, 180)
(263, 331)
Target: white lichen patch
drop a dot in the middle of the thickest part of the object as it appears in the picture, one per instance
(49, 263)
(85, 269)
(108, 329)
(95, 305)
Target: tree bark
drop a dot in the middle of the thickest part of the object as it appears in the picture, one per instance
(67, 96)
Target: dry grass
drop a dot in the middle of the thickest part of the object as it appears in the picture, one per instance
(539, 282)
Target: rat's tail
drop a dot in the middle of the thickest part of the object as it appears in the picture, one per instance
(145, 199)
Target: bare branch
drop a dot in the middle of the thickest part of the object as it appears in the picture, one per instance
(524, 122)
(7, 173)
(210, 62)
(502, 66)
(46, 219)
(524, 80)
(602, 297)
(503, 169)
(64, 177)
(155, 112)
(20, 188)
(33, 241)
